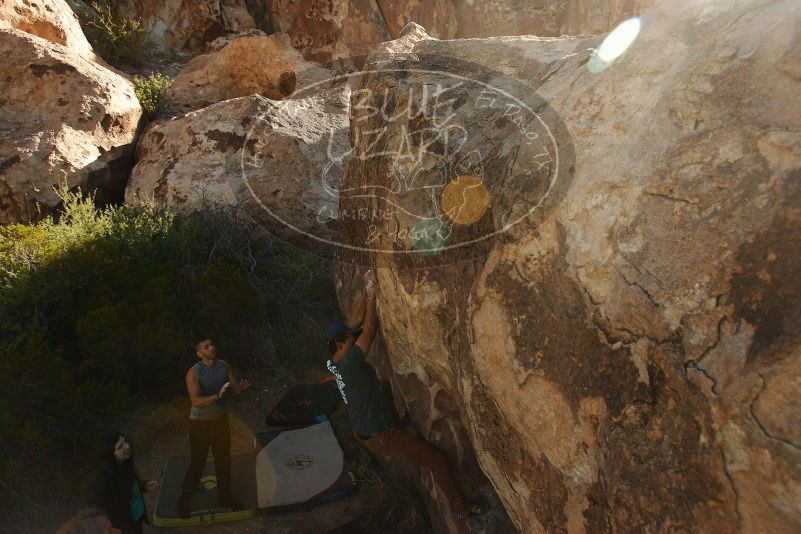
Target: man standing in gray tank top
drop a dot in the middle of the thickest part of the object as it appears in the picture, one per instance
(207, 382)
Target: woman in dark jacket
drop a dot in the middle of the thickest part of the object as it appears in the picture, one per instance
(116, 488)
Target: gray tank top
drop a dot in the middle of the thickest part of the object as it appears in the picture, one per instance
(211, 380)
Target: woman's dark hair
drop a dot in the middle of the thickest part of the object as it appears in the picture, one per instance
(123, 473)
(104, 447)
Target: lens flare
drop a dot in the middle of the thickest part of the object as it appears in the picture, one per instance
(465, 199)
(429, 236)
(615, 44)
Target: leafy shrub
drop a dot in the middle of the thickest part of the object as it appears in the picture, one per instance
(118, 40)
(151, 92)
(99, 310)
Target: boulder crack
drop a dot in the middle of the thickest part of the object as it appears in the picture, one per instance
(732, 484)
(696, 363)
(759, 423)
(671, 198)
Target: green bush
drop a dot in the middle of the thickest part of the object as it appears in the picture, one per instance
(151, 92)
(99, 310)
(117, 39)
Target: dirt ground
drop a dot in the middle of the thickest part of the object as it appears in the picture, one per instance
(383, 501)
(161, 432)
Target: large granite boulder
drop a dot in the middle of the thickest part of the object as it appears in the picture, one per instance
(52, 20)
(268, 158)
(183, 27)
(625, 354)
(62, 116)
(242, 65)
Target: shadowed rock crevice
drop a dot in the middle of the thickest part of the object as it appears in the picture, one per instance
(766, 288)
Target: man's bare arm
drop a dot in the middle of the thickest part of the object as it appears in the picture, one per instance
(370, 325)
(193, 387)
(238, 385)
(357, 315)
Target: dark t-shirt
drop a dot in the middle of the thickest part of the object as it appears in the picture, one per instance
(111, 490)
(368, 408)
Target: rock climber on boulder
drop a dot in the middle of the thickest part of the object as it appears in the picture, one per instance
(369, 408)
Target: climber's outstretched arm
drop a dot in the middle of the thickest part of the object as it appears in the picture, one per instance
(357, 315)
(370, 325)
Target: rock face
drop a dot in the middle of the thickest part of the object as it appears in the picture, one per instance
(489, 18)
(52, 20)
(436, 16)
(325, 30)
(61, 115)
(267, 157)
(628, 358)
(243, 65)
(183, 27)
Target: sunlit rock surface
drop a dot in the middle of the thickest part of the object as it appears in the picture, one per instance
(488, 18)
(243, 65)
(264, 156)
(329, 30)
(628, 361)
(438, 17)
(62, 115)
(184, 26)
(53, 20)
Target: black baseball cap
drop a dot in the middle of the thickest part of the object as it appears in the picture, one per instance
(337, 329)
